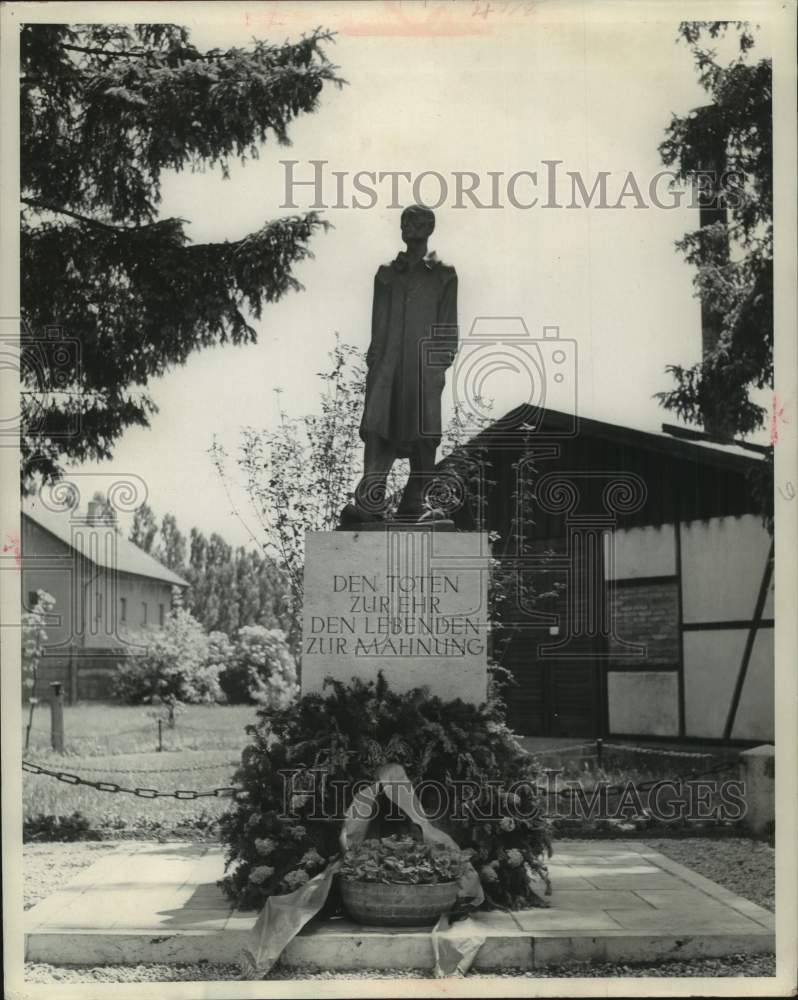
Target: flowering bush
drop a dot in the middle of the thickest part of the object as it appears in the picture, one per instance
(220, 651)
(306, 762)
(177, 664)
(261, 668)
(34, 637)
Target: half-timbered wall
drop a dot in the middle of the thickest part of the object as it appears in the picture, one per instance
(700, 594)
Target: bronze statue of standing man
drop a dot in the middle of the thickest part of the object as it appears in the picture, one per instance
(413, 342)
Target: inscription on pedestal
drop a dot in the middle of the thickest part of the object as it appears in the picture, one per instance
(412, 604)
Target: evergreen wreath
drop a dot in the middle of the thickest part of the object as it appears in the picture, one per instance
(305, 763)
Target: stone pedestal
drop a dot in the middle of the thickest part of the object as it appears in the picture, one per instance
(413, 604)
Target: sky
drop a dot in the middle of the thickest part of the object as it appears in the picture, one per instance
(444, 89)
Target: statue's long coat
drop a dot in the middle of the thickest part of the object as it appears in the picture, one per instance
(413, 342)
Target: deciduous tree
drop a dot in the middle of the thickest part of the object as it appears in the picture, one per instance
(144, 528)
(733, 257)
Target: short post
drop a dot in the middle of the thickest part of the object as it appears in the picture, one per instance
(599, 752)
(758, 771)
(551, 778)
(160, 735)
(57, 717)
(32, 703)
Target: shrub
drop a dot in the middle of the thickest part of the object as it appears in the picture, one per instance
(261, 669)
(34, 637)
(176, 664)
(48, 827)
(220, 652)
(306, 762)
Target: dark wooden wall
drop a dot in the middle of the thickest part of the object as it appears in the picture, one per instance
(565, 694)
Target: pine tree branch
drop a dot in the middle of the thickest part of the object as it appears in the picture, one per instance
(189, 54)
(107, 226)
(113, 53)
(186, 55)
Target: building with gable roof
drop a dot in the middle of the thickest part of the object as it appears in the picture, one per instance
(107, 593)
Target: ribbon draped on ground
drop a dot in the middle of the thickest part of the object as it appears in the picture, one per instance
(283, 917)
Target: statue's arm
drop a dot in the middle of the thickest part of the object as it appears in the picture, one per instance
(378, 319)
(447, 316)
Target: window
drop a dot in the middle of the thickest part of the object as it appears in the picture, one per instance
(33, 599)
(123, 609)
(144, 613)
(161, 615)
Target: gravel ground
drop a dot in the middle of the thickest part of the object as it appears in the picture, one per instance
(741, 865)
(733, 965)
(746, 867)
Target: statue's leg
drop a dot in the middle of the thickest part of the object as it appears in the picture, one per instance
(422, 467)
(370, 492)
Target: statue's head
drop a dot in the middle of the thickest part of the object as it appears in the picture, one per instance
(417, 223)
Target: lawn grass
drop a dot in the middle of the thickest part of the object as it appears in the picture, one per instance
(99, 729)
(117, 743)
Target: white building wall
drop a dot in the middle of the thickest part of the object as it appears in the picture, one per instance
(754, 719)
(722, 564)
(88, 600)
(639, 552)
(47, 564)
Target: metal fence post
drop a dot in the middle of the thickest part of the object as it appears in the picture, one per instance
(73, 676)
(32, 703)
(160, 735)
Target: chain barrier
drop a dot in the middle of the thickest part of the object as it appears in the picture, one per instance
(149, 770)
(126, 732)
(595, 751)
(96, 736)
(101, 739)
(224, 792)
(641, 786)
(210, 729)
(229, 791)
(552, 751)
(657, 751)
(600, 746)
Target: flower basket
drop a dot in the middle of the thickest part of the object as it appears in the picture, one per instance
(382, 904)
(400, 882)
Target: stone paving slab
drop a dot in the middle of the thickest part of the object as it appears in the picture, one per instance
(614, 901)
